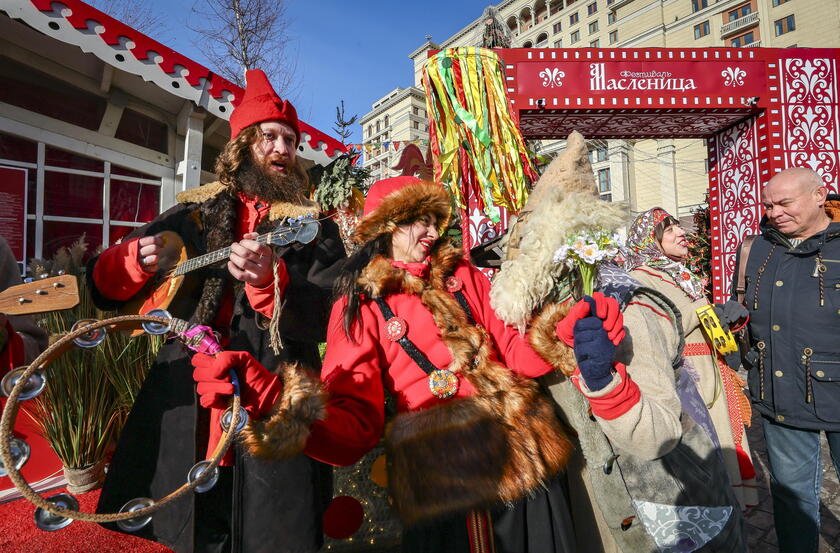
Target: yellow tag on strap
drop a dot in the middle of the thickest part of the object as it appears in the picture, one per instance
(720, 337)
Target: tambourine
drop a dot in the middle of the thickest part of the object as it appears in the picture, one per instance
(720, 336)
(27, 382)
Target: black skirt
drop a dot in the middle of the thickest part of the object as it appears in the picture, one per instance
(541, 523)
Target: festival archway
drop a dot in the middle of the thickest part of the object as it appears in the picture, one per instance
(759, 111)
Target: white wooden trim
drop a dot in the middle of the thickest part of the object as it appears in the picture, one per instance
(66, 136)
(39, 200)
(126, 178)
(62, 219)
(68, 171)
(106, 205)
(18, 163)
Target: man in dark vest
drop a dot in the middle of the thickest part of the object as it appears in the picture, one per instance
(271, 303)
(792, 292)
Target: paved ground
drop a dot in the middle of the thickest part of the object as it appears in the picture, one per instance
(760, 534)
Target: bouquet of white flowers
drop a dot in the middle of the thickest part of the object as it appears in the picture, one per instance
(583, 252)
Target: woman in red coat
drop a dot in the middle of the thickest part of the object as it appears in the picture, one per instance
(475, 450)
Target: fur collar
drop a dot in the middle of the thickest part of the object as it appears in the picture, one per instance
(278, 210)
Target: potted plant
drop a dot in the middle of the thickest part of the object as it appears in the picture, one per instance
(89, 392)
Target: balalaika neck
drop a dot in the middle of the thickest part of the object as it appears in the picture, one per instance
(211, 258)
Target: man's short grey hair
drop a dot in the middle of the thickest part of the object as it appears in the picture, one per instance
(808, 178)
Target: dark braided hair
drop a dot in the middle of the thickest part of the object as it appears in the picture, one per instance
(347, 282)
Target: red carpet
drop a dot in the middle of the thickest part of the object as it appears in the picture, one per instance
(18, 533)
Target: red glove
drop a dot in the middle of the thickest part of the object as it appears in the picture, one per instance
(606, 309)
(258, 388)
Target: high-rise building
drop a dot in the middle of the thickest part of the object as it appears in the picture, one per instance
(670, 173)
(396, 119)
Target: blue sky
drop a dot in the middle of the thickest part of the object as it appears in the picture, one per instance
(355, 51)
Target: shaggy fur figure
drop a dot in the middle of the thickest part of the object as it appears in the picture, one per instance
(283, 433)
(403, 206)
(535, 445)
(563, 202)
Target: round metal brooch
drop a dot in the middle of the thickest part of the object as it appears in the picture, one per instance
(395, 328)
(443, 383)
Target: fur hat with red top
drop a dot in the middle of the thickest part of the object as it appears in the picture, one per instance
(400, 200)
(260, 103)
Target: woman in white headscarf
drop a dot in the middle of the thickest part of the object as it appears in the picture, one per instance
(656, 251)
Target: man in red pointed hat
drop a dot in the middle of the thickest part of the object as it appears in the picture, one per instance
(273, 303)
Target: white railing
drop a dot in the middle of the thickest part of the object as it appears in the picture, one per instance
(755, 44)
(740, 23)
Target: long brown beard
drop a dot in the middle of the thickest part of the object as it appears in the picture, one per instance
(259, 182)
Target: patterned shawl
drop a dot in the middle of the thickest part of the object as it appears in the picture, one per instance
(642, 248)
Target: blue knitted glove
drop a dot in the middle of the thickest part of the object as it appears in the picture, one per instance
(593, 350)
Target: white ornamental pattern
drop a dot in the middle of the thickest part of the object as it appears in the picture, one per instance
(824, 163)
(482, 229)
(809, 81)
(810, 116)
(737, 198)
(552, 77)
(737, 166)
(811, 127)
(682, 529)
(733, 76)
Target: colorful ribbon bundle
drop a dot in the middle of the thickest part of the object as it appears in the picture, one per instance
(475, 143)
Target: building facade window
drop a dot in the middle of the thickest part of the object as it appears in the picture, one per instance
(558, 43)
(613, 37)
(386, 122)
(778, 2)
(574, 37)
(610, 18)
(592, 8)
(739, 12)
(595, 44)
(557, 27)
(697, 5)
(742, 40)
(593, 27)
(701, 30)
(785, 25)
(604, 187)
(573, 19)
(378, 126)
(598, 154)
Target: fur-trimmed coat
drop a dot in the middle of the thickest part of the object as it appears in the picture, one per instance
(166, 432)
(489, 358)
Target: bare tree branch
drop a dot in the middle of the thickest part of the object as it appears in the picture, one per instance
(342, 125)
(136, 14)
(237, 35)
